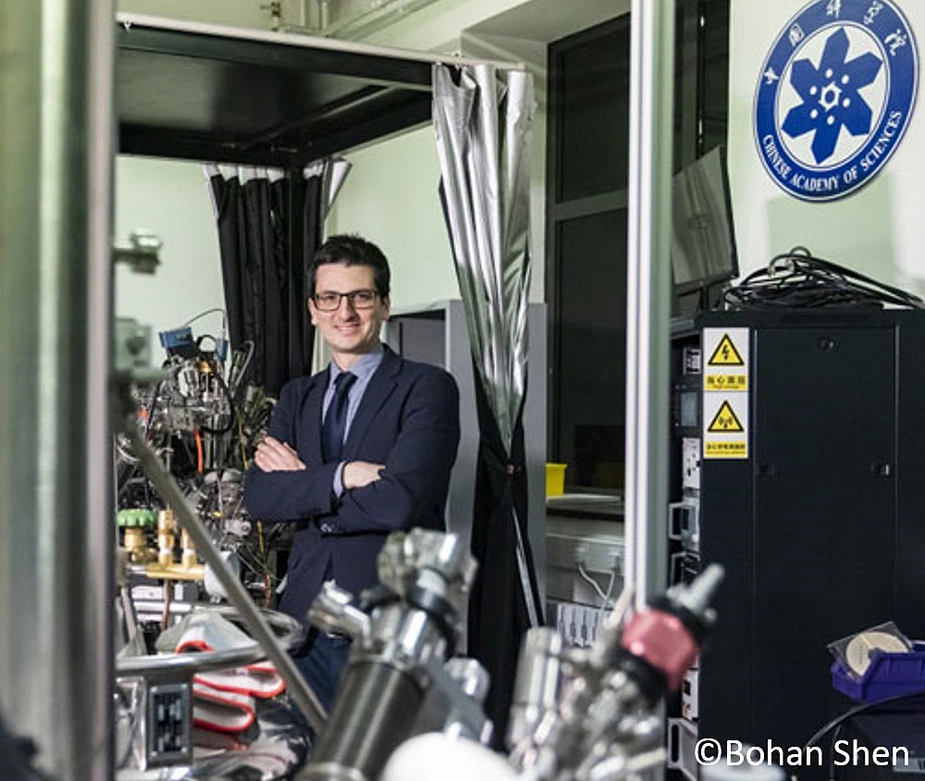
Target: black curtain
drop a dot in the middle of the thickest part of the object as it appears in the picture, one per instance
(498, 617)
(268, 230)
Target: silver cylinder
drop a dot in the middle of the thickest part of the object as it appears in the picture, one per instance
(536, 689)
(648, 297)
(472, 678)
(56, 63)
(648, 292)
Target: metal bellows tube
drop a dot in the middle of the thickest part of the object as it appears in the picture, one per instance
(375, 709)
(56, 62)
(397, 657)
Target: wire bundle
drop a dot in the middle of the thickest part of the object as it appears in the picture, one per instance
(797, 279)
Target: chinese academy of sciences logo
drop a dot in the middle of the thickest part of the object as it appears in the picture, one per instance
(835, 96)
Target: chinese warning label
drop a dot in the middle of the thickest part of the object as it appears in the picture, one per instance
(726, 392)
(725, 421)
(726, 354)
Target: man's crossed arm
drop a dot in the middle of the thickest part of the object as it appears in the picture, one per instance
(378, 497)
(275, 456)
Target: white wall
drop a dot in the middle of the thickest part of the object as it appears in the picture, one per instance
(390, 198)
(877, 230)
(171, 199)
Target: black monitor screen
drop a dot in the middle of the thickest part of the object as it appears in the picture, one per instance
(703, 250)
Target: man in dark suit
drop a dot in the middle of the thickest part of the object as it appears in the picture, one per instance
(355, 452)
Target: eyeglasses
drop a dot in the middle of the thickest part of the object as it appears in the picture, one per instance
(359, 299)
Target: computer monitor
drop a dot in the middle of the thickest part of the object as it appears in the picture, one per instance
(703, 248)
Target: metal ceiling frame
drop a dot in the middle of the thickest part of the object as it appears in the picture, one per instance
(379, 92)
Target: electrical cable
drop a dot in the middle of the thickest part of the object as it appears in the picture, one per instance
(257, 411)
(202, 314)
(236, 376)
(850, 714)
(621, 606)
(152, 406)
(261, 570)
(263, 554)
(603, 607)
(232, 414)
(215, 343)
(605, 598)
(122, 453)
(242, 442)
(199, 456)
(798, 279)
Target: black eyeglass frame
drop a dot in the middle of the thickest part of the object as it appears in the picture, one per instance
(351, 297)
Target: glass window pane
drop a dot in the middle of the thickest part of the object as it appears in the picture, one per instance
(594, 129)
(592, 348)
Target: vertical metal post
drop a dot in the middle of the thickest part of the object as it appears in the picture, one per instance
(648, 295)
(56, 119)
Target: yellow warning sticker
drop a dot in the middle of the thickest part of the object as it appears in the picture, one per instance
(725, 421)
(726, 382)
(725, 354)
(726, 450)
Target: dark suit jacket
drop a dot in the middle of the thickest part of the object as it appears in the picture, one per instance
(408, 420)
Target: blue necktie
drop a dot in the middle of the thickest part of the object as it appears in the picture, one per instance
(335, 422)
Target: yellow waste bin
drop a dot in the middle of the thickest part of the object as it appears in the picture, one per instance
(555, 479)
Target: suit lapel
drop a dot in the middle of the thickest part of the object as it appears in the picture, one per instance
(380, 387)
(309, 445)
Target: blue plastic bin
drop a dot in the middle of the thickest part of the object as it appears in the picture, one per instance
(889, 675)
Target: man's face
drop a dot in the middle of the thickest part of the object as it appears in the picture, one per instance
(349, 331)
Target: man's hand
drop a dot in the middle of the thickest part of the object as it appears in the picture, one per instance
(275, 456)
(360, 473)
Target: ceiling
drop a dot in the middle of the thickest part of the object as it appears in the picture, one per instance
(546, 21)
(193, 91)
(223, 95)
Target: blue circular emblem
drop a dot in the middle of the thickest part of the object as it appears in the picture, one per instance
(835, 96)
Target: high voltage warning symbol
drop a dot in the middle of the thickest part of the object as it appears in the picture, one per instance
(725, 354)
(725, 421)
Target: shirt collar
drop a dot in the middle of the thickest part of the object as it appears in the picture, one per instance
(363, 367)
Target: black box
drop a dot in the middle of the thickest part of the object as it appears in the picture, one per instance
(821, 526)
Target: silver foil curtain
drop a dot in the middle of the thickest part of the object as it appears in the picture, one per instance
(484, 127)
(483, 121)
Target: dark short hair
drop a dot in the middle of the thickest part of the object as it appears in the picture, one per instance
(351, 250)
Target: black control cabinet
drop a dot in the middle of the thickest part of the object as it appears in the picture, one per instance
(821, 527)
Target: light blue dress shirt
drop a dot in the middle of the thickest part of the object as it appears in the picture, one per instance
(363, 369)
